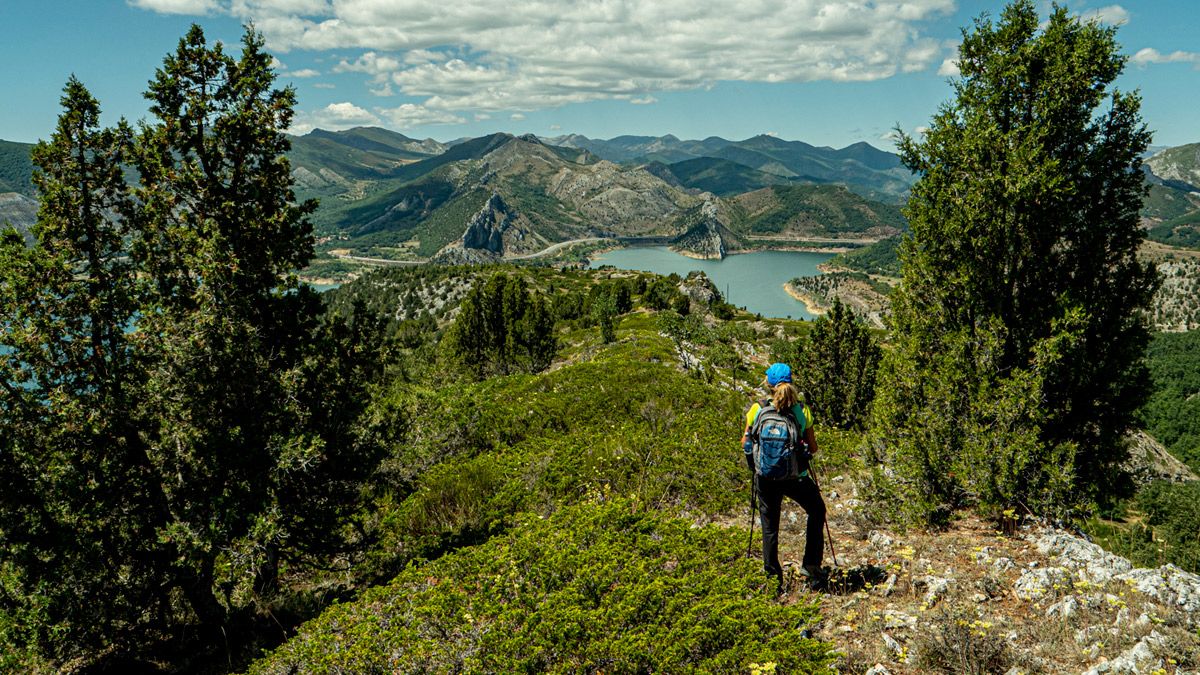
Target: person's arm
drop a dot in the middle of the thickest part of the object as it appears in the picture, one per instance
(747, 443)
(811, 439)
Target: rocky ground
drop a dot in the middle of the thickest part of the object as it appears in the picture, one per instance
(978, 599)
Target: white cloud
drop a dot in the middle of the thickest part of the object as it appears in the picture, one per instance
(324, 85)
(333, 117)
(413, 115)
(197, 7)
(644, 100)
(517, 117)
(949, 67)
(484, 56)
(1113, 15)
(479, 117)
(304, 73)
(277, 64)
(1149, 55)
(555, 127)
(921, 131)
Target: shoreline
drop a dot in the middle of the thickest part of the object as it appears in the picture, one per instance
(810, 303)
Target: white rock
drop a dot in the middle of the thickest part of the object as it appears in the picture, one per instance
(1065, 608)
(879, 539)
(1170, 586)
(889, 586)
(1139, 658)
(979, 597)
(936, 588)
(878, 669)
(895, 619)
(892, 644)
(1122, 617)
(1039, 583)
(1002, 565)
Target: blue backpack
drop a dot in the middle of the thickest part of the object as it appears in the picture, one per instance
(778, 443)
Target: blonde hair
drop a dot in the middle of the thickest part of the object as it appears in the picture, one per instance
(784, 396)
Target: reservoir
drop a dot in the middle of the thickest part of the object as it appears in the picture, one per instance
(751, 280)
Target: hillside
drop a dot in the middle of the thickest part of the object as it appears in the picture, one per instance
(592, 517)
(718, 176)
(813, 211)
(18, 210)
(1180, 165)
(16, 169)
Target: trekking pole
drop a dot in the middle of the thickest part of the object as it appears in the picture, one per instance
(828, 534)
(753, 508)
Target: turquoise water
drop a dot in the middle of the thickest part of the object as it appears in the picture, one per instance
(751, 280)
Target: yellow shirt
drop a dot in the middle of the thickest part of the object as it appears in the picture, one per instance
(803, 416)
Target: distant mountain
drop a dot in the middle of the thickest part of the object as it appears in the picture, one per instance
(534, 193)
(329, 162)
(718, 176)
(860, 165)
(16, 169)
(813, 212)
(500, 196)
(1180, 165)
(1171, 211)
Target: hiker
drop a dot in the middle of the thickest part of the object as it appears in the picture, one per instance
(791, 478)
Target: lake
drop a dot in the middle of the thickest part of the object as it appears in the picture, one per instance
(751, 280)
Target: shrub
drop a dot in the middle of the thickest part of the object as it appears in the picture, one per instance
(597, 587)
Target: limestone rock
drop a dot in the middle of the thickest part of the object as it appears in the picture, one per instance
(1038, 583)
(1139, 658)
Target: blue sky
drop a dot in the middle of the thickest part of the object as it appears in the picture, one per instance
(824, 71)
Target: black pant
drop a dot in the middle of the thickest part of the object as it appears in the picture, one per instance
(804, 492)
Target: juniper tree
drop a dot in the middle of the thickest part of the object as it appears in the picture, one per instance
(1018, 326)
(177, 419)
(68, 442)
(836, 365)
(501, 328)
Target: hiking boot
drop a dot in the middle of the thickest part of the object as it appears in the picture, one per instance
(815, 574)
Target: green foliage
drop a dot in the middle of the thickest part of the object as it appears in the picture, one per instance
(604, 313)
(1172, 414)
(501, 328)
(16, 168)
(177, 424)
(879, 258)
(594, 587)
(836, 367)
(1019, 307)
(1181, 231)
(829, 209)
(1166, 531)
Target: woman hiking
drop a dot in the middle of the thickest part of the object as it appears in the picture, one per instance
(780, 468)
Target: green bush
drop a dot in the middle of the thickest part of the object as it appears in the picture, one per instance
(594, 588)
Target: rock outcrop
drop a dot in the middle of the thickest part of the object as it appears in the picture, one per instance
(706, 237)
(485, 230)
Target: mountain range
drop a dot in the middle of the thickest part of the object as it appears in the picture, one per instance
(384, 194)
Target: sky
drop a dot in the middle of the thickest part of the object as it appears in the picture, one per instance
(828, 72)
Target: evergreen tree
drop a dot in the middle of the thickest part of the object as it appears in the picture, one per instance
(177, 421)
(837, 365)
(1018, 325)
(501, 328)
(604, 313)
(68, 446)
